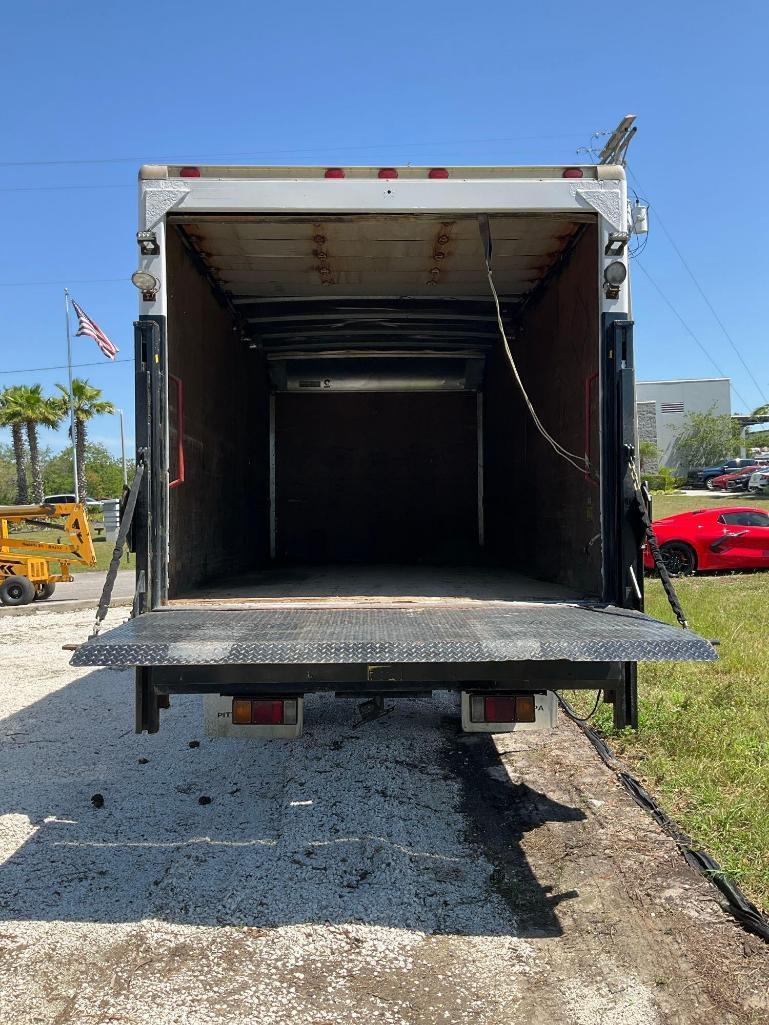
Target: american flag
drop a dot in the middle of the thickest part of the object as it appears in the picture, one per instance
(85, 326)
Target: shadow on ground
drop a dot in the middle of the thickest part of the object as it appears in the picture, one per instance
(402, 822)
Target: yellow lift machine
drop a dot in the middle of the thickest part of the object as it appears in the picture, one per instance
(28, 567)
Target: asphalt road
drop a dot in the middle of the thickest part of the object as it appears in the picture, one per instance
(84, 592)
(395, 872)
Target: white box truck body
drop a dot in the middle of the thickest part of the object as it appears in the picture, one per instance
(372, 466)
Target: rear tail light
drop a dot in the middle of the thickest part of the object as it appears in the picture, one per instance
(524, 708)
(290, 711)
(264, 711)
(573, 172)
(241, 711)
(502, 708)
(267, 713)
(334, 172)
(189, 172)
(437, 172)
(388, 172)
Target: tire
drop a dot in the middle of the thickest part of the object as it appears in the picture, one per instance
(17, 590)
(709, 483)
(44, 592)
(679, 558)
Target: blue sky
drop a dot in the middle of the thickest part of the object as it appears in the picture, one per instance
(381, 84)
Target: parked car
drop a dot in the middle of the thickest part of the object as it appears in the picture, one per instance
(712, 539)
(65, 499)
(759, 481)
(741, 481)
(705, 476)
(725, 480)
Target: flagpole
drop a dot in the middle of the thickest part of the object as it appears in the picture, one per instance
(71, 396)
(122, 448)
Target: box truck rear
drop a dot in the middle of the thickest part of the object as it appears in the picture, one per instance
(388, 424)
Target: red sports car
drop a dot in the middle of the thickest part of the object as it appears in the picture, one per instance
(711, 539)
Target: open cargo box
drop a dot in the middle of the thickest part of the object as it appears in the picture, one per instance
(382, 426)
(365, 498)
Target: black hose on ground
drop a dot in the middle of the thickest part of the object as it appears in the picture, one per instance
(744, 910)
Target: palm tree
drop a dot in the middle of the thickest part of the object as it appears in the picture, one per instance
(88, 403)
(38, 411)
(12, 414)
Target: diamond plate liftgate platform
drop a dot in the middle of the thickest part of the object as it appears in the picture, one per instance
(499, 632)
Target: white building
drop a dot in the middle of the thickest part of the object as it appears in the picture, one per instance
(662, 407)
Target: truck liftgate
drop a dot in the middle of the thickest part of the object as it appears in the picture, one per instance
(388, 423)
(386, 651)
(399, 638)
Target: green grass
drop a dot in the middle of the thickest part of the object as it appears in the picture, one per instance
(102, 549)
(703, 740)
(704, 730)
(669, 505)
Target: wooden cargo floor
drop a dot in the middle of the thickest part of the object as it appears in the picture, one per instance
(382, 586)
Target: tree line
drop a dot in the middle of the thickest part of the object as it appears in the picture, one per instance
(24, 409)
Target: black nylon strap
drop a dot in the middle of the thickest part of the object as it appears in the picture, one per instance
(125, 525)
(659, 562)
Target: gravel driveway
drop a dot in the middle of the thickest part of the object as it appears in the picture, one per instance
(388, 873)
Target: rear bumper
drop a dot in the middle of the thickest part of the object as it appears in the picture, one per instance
(363, 680)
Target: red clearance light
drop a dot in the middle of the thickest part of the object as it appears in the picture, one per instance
(334, 172)
(388, 172)
(437, 172)
(573, 172)
(189, 172)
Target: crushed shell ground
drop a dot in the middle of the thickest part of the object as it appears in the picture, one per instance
(386, 873)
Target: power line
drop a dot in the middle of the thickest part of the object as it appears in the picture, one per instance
(261, 153)
(69, 281)
(708, 303)
(689, 330)
(61, 188)
(712, 310)
(278, 152)
(38, 370)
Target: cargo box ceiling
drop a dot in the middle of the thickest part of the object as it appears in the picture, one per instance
(374, 280)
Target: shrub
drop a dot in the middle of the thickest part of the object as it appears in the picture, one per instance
(664, 480)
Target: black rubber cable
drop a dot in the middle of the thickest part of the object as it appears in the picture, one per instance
(738, 905)
(570, 711)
